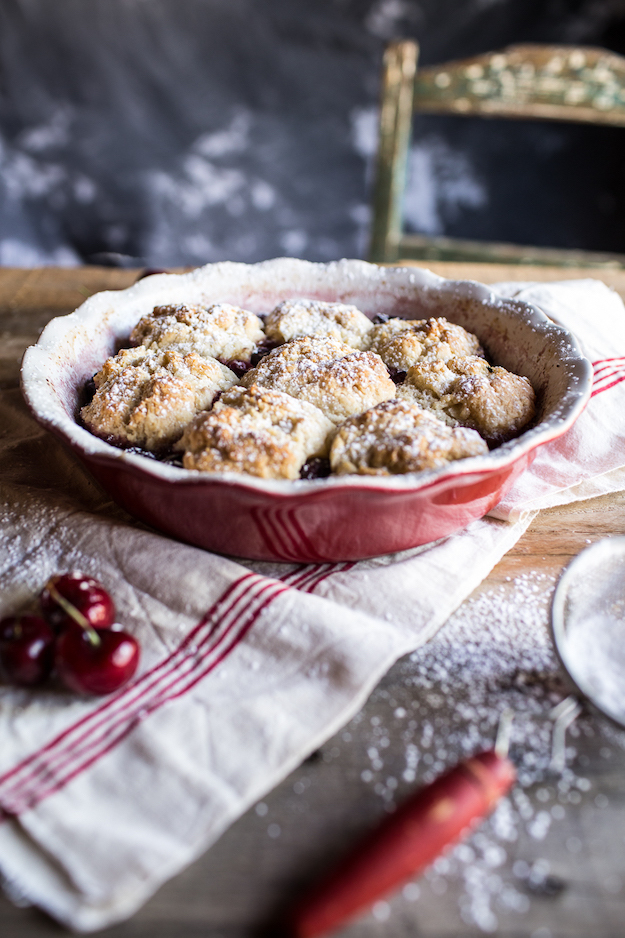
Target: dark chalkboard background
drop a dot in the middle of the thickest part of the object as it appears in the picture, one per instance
(166, 132)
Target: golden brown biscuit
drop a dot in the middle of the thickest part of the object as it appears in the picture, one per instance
(293, 319)
(256, 431)
(220, 331)
(145, 398)
(401, 343)
(327, 373)
(471, 393)
(397, 437)
(287, 363)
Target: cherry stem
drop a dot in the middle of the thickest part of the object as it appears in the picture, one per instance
(74, 613)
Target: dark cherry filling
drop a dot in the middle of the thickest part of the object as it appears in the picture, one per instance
(263, 348)
(380, 318)
(395, 375)
(88, 393)
(316, 468)
(138, 451)
(241, 367)
(172, 459)
(237, 365)
(169, 457)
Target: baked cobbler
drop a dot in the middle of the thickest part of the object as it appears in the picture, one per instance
(146, 398)
(397, 437)
(296, 318)
(255, 430)
(314, 388)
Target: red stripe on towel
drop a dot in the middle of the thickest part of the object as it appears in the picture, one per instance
(607, 373)
(206, 646)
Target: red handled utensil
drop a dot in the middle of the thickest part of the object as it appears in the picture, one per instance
(408, 840)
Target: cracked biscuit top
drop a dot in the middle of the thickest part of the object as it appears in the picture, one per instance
(257, 431)
(397, 437)
(471, 393)
(329, 374)
(219, 331)
(146, 397)
(401, 343)
(293, 319)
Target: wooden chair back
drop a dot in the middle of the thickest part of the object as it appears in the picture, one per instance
(542, 82)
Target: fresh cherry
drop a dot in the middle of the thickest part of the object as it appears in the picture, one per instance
(75, 599)
(26, 649)
(96, 661)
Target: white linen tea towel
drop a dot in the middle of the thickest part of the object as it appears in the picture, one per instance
(246, 667)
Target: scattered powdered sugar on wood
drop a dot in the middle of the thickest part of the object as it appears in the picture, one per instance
(444, 702)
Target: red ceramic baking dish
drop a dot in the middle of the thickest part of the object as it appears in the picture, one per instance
(335, 519)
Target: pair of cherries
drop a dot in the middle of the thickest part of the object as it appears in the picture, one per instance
(76, 636)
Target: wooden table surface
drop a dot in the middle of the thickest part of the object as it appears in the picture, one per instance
(566, 878)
